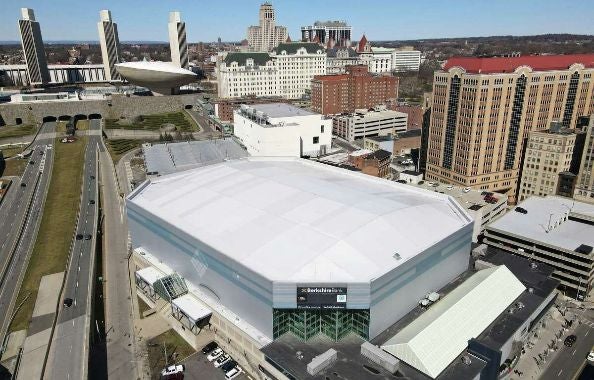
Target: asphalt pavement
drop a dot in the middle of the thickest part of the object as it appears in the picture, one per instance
(68, 356)
(19, 229)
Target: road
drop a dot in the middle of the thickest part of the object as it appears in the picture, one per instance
(68, 357)
(568, 362)
(19, 229)
(122, 358)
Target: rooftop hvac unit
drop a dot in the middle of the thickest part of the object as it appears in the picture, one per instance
(244, 107)
(321, 362)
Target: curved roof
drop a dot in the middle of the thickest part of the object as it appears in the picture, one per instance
(433, 340)
(510, 64)
(155, 74)
(296, 220)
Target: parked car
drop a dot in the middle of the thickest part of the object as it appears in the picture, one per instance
(88, 237)
(79, 236)
(221, 360)
(92, 177)
(521, 210)
(23, 184)
(233, 373)
(92, 202)
(31, 162)
(570, 340)
(209, 347)
(229, 365)
(214, 354)
(173, 370)
(67, 302)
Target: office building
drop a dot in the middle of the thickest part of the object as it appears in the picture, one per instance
(555, 231)
(405, 59)
(110, 44)
(267, 35)
(281, 129)
(356, 89)
(415, 114)
(584, 185)
(177, 40)
(33, 49)
(547, 155)
(339, 58)
(286, 72)
(484, 108)
(366, 123)
(337, 33)
(388, 60)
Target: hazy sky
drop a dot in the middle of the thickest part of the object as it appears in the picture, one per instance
(378, 19)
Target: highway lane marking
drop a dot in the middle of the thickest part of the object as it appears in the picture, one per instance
(573, 353)
(559, 374)
(587, 332)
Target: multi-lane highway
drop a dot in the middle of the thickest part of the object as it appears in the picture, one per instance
(20, 221)
(69, 350)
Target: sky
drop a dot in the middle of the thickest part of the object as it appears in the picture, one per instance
(146, 20)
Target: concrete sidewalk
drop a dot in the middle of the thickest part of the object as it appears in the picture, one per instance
(38, 335)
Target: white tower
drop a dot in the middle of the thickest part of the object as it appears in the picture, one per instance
(177, 40)
(33, 50)
(110, 44)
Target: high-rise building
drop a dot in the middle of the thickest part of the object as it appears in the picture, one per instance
(177, 40)
(336, 32)
(584, 187)
(267, 35)
(364, 123)
(33, 50)
(285, 72)
(333, 94)
(484, 108)
(548, 153)
(110, 44)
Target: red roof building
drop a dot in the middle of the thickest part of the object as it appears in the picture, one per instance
(363, 45)
(510, 64)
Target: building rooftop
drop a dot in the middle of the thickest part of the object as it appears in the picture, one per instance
(510, 64)
(433, 340)
(173, 157)
(292, 47)
(410, 133)
(379, 154)
(569, 223)
(380, 138)
(278, 110)
(297, 220)
(260, 59)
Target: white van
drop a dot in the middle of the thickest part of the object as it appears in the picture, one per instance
(233, 373)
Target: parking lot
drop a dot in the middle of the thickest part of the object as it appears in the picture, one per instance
(198, 368)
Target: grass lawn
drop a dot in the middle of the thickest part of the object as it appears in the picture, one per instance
(57, 225)
(118, 147)
(14, 167)
(17, 131)
(81, 125)
(175, 346)
(181, 120)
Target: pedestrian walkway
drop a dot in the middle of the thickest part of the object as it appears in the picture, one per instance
(39, 332)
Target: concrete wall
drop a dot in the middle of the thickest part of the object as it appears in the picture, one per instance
(116, 107)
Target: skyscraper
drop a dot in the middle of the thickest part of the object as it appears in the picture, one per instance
(484, 109)
(267, 35)
(110, 44)
(177, 40)
(336, 31)
(33, 50)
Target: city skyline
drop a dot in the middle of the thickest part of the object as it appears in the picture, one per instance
(410, 21)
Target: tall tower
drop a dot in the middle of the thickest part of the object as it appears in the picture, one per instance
(267, 35)
(33, 48)
(177, 40)
(110, 44)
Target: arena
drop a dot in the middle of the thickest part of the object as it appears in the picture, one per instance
(290, 245)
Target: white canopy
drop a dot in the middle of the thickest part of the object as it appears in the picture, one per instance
(191, 307)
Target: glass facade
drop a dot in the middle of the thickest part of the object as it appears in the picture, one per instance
(571, 93)
(452, 119)
(514, 126)
(306, 323)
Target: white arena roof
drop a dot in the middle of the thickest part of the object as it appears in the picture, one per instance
(297, 220)
(550, 213)
(433, 340)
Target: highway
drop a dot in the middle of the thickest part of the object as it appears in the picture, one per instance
(20, 220)
(69, 351)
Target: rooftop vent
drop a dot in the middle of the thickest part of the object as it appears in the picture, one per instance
(585, 249)
(466, 360)
(397, 256)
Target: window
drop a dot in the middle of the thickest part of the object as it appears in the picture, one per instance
(321, 129)
(316, 139)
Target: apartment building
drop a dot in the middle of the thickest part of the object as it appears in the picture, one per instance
(484, 108)
(584, 186)
(266, 35)
(548, 154)
(286, 72)
(357, 88)
(366, 123)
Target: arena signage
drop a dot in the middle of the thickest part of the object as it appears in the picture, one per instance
(321, 297)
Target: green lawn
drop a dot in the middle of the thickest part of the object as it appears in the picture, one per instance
(14, 167)
(175, 346)
(182, 122)
(51, 248)
(118, 147)
(17, 131)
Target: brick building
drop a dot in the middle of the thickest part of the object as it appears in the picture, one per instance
(415, 115)
(375, 163)
(223, 108)
(357, 88)
(407, 141)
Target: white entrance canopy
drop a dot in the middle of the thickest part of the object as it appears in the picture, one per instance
(433, 340)
(149, 275)
(191, 308)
